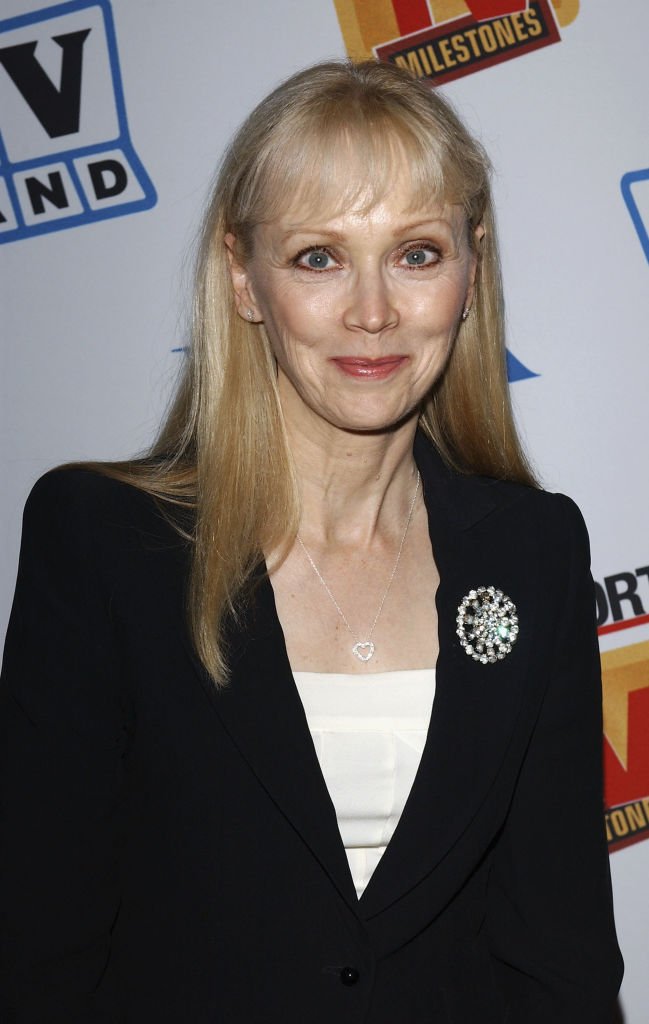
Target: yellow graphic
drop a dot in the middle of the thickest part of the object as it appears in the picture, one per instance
(623, 671)
(369, 23)
(365, 24)
(447, 10)
(566, 11)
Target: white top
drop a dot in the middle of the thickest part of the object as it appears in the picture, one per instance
(369, 732)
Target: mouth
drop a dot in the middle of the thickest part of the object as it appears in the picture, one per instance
(370, 369)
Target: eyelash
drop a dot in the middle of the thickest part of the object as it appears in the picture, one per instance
(422, 247)
(403, 252)
(305, 252)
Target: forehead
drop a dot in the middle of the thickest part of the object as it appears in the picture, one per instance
(392, 214)
(324, 182)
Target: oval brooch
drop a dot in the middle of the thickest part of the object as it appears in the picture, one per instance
(487, 624)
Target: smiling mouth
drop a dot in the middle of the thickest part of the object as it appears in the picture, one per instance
(369, 369)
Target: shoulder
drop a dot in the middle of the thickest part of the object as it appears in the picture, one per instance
(512, 515)
(554, 509)
(471, 498)
(75, 488)
(542, 537)
(555, 515)
(83, 507)
(551, 523)
(527, 525)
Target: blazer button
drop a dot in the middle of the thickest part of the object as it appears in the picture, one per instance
(349, 975)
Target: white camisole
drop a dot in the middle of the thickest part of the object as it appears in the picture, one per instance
(369, 732)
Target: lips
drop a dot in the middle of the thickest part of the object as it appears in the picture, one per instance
(370, 369)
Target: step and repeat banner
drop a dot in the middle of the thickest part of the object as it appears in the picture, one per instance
(112, 120)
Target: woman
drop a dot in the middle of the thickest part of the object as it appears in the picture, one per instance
(247, 812)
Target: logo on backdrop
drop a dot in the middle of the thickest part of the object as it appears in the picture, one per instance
(440, 40)
(635, 191)
(66, 157)
(622, 604)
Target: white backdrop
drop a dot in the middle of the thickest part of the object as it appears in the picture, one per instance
(93, 312)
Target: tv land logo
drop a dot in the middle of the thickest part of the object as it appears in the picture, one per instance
(66, 157)
(635, 191)
(623, 603)
(441, 40)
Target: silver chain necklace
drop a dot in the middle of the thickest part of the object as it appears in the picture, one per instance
(364, 649)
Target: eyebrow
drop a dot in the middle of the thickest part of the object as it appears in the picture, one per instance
(338, 236)
(304, 229)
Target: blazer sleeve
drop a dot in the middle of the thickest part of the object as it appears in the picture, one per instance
(550, 916)
(61, 739)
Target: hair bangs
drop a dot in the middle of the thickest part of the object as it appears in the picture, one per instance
(342, 161)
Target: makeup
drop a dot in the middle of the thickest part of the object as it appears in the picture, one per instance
(370, 369)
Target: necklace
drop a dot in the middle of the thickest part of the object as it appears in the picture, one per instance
(364, 649)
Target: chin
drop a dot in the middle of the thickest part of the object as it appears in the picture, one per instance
(378, 423)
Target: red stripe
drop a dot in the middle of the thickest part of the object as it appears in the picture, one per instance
(411, 15)
(613, 627)
(484, 9)
(620, 844)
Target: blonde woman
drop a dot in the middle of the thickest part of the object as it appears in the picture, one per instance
(295, 708)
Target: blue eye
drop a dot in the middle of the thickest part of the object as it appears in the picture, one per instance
(314, 259)
(420, 257)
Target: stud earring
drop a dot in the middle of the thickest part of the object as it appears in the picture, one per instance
(466, 312)
(250, 313)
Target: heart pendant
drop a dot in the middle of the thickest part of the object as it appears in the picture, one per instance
(363, 649)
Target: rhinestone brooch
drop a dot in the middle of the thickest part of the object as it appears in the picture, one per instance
(487, 624)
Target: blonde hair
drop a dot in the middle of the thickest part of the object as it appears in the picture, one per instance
(223, 447)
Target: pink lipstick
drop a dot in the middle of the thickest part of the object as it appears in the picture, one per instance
(370, 369)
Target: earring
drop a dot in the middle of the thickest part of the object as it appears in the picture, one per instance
(466, 312)
(250, 313)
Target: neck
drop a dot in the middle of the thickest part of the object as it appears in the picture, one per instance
(353, 486)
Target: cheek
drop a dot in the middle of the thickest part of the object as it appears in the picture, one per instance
(447, 303)
(436, 316)
(439, 300)
(300, 319)
(298, 351)
(435, 319)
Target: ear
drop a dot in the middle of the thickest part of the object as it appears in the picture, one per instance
(478, 235)
(241, 285)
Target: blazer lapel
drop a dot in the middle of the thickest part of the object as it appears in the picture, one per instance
(262, 712)
(475, 706)
(474, 710)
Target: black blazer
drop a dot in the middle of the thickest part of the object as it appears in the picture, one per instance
(170, 853)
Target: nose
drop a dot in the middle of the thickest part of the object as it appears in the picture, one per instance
(371, 306)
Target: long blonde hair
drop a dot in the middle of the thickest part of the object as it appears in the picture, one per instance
(223, 447)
